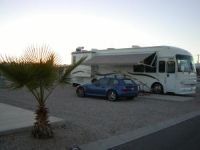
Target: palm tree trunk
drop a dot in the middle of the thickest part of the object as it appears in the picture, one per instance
(42, 128)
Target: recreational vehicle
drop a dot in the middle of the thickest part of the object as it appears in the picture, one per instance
(158, 69)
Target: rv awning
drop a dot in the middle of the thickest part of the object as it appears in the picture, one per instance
(117, 59)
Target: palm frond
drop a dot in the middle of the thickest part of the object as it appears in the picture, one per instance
(36, 66)
(38, 71)
(18, 72)
(39, 54)
(65, 78)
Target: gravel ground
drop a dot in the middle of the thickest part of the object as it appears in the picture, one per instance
(90, 119)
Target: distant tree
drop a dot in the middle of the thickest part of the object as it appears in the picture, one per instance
(38, 71)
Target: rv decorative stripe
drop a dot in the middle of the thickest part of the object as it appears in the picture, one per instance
(77, 72)
(104, 74)
(141, 74)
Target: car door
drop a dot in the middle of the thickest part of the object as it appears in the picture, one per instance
(98, 88)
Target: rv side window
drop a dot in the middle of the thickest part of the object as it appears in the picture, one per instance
(161, 66)
(138, 68)
(170, 67)
(150, 69)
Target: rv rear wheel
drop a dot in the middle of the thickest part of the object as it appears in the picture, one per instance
(157, 88)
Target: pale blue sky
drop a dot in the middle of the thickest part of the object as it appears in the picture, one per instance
(65, 25)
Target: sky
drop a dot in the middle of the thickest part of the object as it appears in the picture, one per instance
(64, 25)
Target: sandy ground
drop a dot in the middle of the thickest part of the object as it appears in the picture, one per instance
(89, 119)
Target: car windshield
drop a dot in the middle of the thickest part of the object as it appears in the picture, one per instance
(185, 63)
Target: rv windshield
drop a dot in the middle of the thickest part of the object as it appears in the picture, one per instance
(185, 63)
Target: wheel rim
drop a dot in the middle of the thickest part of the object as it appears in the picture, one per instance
(112, 96)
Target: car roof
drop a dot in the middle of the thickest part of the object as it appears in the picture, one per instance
(115, 78)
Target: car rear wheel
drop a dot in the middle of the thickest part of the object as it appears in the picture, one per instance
(112, 95)
(80, 92)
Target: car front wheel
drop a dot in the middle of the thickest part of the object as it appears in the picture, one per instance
(80, 92)
(112, 95)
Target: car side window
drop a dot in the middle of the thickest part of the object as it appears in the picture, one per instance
(115, 82)
(128, 82)
(103, 82)
(112, 82)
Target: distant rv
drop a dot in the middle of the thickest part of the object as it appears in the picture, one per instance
(157, 69)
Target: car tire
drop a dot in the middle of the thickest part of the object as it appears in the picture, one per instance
(112, 95)
(157, 88)
(80, 92)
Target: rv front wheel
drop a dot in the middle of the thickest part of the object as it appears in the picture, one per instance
(157, 88)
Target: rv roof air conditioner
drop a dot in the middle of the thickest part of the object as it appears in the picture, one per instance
(79, 49)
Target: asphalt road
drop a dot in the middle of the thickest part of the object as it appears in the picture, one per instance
(193, 143)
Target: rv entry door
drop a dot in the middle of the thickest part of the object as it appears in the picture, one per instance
(170, 77)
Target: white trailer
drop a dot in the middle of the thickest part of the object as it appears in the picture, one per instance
(160, 69)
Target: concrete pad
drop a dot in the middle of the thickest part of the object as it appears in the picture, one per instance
(13, 119)
(167, 97)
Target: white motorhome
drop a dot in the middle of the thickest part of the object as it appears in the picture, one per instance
(160, 69)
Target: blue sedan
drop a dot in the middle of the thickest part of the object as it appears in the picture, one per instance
(112, 88)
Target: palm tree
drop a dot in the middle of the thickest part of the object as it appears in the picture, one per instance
(38, 71)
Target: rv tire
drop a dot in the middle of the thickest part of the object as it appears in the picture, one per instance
(157, 88)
